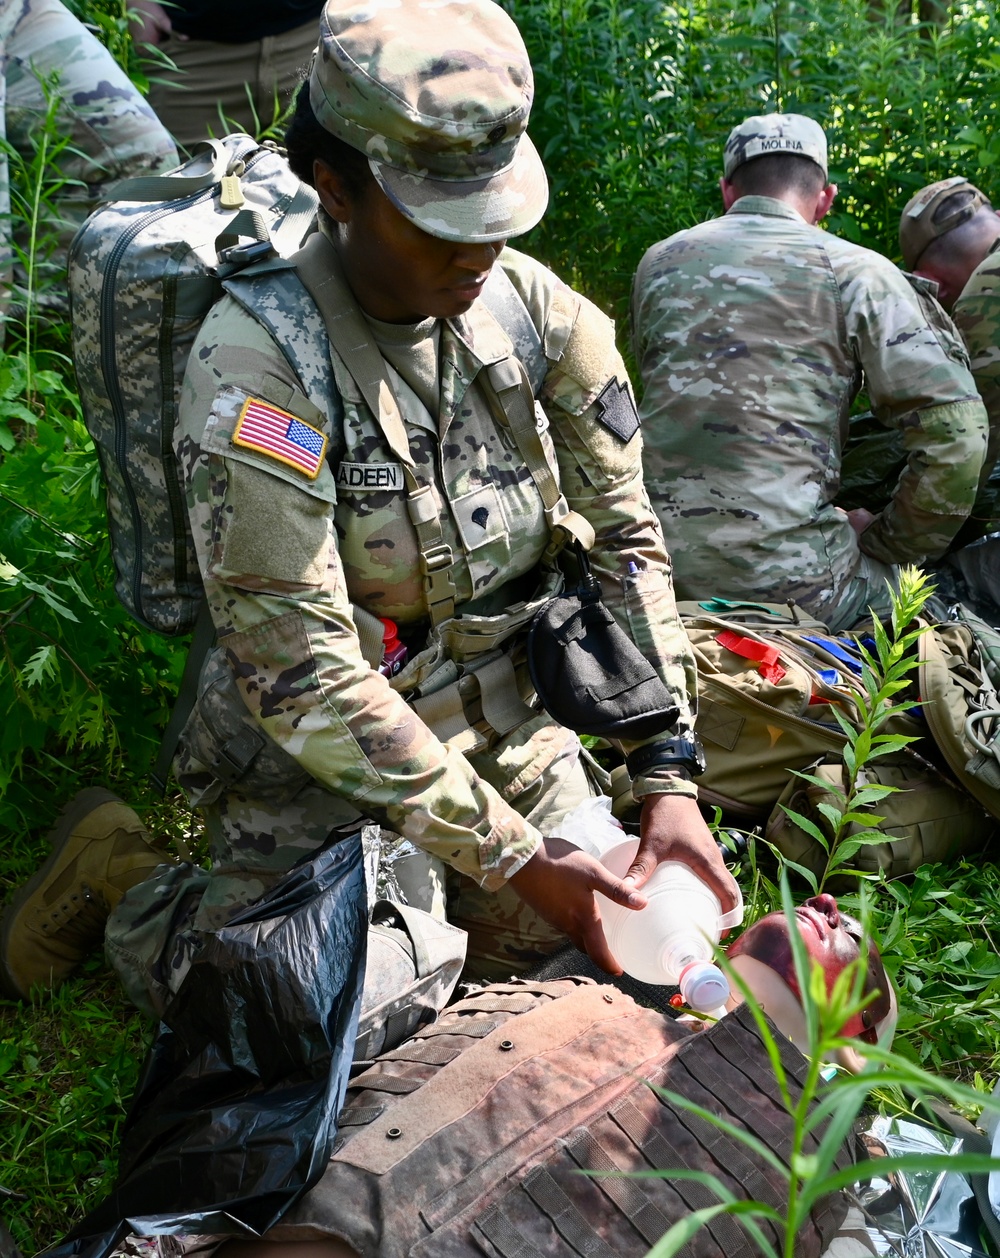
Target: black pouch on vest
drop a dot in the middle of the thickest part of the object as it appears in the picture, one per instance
(588, 674)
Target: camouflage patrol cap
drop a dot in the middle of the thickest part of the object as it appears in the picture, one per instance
(437, 94)
(935, 211)
(775, 133)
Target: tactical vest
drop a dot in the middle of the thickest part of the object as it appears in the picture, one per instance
(463, 683)
(471, 1137)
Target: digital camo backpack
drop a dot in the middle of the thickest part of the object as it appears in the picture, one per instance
(474, 1137)
(144, 271)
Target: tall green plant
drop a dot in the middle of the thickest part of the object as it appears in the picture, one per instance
(35, 187)
(822, 1115)
(83, 691)
(851, 823)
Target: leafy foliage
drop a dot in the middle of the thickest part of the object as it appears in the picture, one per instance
(83, 690)
(634, 99)
(67, 1072)
(847, 813)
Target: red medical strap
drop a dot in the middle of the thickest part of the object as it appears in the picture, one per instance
(764, 655)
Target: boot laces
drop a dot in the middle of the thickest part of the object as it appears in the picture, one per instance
(77, 920)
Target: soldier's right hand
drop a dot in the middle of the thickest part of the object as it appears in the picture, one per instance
(559, 882)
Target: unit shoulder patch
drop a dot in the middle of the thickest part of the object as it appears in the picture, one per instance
(269, 430)
(616, 410)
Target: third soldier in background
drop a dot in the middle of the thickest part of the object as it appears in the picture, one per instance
(949, 233)
(754, 333)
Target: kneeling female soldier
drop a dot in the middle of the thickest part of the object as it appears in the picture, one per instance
(419, 510)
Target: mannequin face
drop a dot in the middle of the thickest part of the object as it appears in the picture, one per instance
(833, 940)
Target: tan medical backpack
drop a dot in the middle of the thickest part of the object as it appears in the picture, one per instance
(770, 681)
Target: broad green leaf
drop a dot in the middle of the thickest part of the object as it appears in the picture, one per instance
(810, 827)
(41, 665)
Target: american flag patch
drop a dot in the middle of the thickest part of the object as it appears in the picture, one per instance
(272, 431)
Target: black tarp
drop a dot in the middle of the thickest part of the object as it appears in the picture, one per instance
(236, 1110)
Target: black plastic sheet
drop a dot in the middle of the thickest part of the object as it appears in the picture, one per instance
(236, 1111)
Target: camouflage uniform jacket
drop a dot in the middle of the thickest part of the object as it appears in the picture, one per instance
(753, 333)
(977, 315)
(284, 557)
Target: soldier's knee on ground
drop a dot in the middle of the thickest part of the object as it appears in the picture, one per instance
(413, 964)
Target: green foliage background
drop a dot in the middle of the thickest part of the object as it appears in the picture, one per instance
(633, 102)
(634, 99)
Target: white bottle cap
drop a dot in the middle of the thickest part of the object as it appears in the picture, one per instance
(703, 986)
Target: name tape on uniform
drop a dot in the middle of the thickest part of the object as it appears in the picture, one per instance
(361, 476)
(272, 431)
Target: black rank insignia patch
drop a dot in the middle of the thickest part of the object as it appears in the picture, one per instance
(616, 410)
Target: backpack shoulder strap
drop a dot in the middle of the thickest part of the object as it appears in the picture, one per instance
(506, 306)
(267, 293)
(506, 381)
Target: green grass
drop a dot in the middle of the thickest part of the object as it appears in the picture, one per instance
(68, 1065)
(70, 1060)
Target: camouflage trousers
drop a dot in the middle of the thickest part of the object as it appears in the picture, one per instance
(105, 129)
(867, 589)
(157, 927)
(216, 88)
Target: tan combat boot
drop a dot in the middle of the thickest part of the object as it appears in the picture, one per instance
(53, 923)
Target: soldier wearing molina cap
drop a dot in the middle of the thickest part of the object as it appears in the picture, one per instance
(754, 333)
(412, 129)
(949, 233)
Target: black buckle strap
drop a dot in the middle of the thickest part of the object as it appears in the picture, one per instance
(237, 755)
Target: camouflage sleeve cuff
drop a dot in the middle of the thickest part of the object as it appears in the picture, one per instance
(509, 846)
(946, 446)
(663, 781)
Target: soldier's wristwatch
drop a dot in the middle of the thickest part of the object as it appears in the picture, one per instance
(683, 751)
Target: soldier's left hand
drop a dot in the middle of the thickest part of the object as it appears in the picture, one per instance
(559, 882)
(673, 829)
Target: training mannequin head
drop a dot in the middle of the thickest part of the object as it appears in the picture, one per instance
(763, 958)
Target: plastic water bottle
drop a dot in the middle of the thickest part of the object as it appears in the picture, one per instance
(671, 940)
